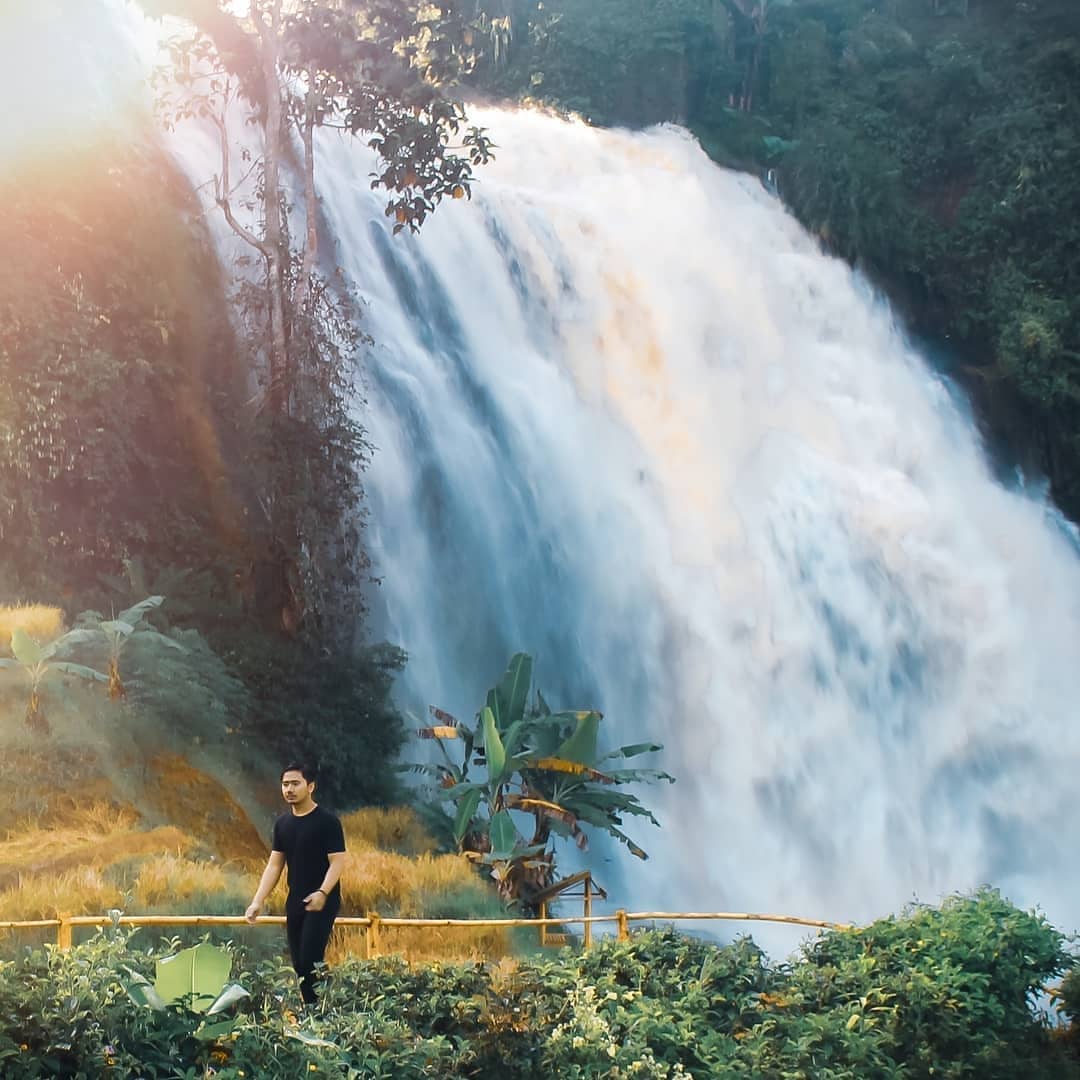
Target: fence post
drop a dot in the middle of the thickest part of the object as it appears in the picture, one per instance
(586, 936)
(63, 932)
(623, 924)
(543, 925)
(372, 935)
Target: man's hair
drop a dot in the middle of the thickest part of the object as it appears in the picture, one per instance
(305, 771)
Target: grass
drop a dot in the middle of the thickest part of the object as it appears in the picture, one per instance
(41, 622)
(426, 885)
(83, 856)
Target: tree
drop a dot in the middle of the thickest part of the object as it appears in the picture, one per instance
(531, 761)
(380, 68)
(118, 633)
(39, 662)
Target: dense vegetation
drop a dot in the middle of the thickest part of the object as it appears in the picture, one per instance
(127, 468)
(945, 992)
(934, 142)
(173, 427)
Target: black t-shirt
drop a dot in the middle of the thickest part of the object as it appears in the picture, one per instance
(307, 840)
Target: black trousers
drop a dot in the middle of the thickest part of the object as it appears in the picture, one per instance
(308, 932)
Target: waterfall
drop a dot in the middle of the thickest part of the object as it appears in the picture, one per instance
(629, 418)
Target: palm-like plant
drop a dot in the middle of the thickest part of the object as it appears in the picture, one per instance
(38, 662)
(118, 633)
(521, 756)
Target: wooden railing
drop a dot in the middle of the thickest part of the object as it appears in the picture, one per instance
(374, 924)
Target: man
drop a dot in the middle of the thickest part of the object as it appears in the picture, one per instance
(311, 843)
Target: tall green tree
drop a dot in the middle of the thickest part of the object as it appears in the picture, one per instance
(379, 69)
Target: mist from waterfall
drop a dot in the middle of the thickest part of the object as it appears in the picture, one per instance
(630, 419)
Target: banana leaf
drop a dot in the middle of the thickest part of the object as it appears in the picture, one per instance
(503, 834)
(570, 767)
(493, 748)
(142, 991)
(197, 974)
(81, 670)
(232, 993)
(25, 649)
(507, 700)
(439, 731)
(632, 750)
(72, 637)
(466, 811)
(581, 746)
(134, 615)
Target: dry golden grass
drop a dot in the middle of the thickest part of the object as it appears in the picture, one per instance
(420, 944)
(396, 828)
(83, 827)
(392, 884)
(82, 891)
(170, 880)
(42, 623)
(202, 806)
(94, 856)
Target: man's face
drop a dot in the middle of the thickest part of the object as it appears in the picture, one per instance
(295, 788)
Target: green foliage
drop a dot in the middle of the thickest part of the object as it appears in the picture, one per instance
(37, 663)
(942, 992)
(333, 712)
(101, 353)
(613, 61)
(533, 762)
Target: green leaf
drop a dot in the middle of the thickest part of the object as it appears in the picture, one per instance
(161, 639)
(72, 637)
(209, 1032)
(633, 750)
(134, 615)
(493, 747)
(503, 834)
(24, 648)
(81, 670)
(513, 691)
(232, 993)
(633, 848)
(140, 990)
(306, 1039)
(466, 811)
(115, 626)
(198, 973)
(581, 746)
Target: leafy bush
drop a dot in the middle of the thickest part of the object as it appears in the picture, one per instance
(943, 992)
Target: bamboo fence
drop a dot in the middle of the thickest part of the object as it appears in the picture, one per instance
(373, 924)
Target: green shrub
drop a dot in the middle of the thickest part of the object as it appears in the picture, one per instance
(942, 992)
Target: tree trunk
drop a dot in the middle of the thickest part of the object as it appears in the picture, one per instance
(279, 367)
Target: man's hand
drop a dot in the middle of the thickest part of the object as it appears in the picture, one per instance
(315, 901)
(252, 912)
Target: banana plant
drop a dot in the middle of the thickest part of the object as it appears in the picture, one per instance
(117, 633)
(38, 662)
(520, 756)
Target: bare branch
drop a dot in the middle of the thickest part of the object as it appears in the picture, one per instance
(222, 191)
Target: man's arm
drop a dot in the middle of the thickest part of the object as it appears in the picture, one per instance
(315, 901)
(274, 865)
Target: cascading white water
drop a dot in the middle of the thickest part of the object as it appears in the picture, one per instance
(630, 419)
